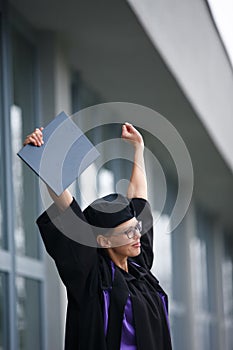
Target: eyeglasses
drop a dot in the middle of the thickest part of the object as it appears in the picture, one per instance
(132, 231)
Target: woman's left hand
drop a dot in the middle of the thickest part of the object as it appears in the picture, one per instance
(131, 134)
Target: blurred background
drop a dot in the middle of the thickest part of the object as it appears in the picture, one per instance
(166, 55)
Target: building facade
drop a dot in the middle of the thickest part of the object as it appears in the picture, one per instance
(167, 57)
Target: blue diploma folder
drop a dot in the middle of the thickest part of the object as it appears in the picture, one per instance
(65, 154)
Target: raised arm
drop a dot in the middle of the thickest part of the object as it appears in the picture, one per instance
(65, 199)
(138, 182)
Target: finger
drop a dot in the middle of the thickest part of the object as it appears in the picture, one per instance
(124, 127)
(38, 132)
(38, 129)
(39, 136)
(31, 140)
(36, 138)
(125, 132)
(130, 128)
(41, 129)
(128, 125)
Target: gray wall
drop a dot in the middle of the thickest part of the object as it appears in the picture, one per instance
(186, 37)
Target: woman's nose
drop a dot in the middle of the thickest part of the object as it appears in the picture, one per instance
(137, 234)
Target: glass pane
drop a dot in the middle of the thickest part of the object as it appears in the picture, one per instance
(229, 335)
(4, 339)
(199, 262)
(227, 276)
(162, 265)
(203, 263)
(214, 336)
(16, 131)
(179, 326)
(202, 335)
(227, 285)
(105, 182)
(28, 314)
(2, 243)
(22, 123)
(206, 335)
(180, 273)
(227, 273)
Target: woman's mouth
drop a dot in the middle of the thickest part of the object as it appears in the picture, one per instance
(136, 245)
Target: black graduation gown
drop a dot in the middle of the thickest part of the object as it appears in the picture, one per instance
(86, 272)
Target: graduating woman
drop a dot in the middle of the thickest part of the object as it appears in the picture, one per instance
(114, 301)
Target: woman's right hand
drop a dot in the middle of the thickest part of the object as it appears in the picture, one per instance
(35, 138)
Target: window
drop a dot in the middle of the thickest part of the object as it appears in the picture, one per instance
(28, 314)
(105, 182)
(169, 262)
(2, 238)
(2, 241)
(4, 344)
(22, 122)
(227, 284)
(162, 268)
(19, 295)
(206, 330)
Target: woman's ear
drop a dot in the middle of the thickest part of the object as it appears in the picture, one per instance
(103, 241)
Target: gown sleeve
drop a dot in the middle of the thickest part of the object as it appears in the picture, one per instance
(143, 213)
(61, 233)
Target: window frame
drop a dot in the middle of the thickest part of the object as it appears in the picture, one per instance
(13, 265)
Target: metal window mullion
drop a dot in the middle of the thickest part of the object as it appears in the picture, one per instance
(5, 261)
(190, 224)
(41, 255)
(218, 236)
(29, 268)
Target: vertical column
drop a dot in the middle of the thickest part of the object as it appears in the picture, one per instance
(9, 224)
(51, 102)
(218, 253)
(62, 103)
(190, 229)
(62, 80)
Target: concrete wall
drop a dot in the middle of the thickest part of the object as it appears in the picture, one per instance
(185, 35)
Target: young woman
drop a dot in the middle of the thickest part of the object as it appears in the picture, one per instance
(114, 301)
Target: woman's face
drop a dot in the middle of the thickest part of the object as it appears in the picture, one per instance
(119, 242)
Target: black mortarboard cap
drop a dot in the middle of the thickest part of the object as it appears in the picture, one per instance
(109, 211)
